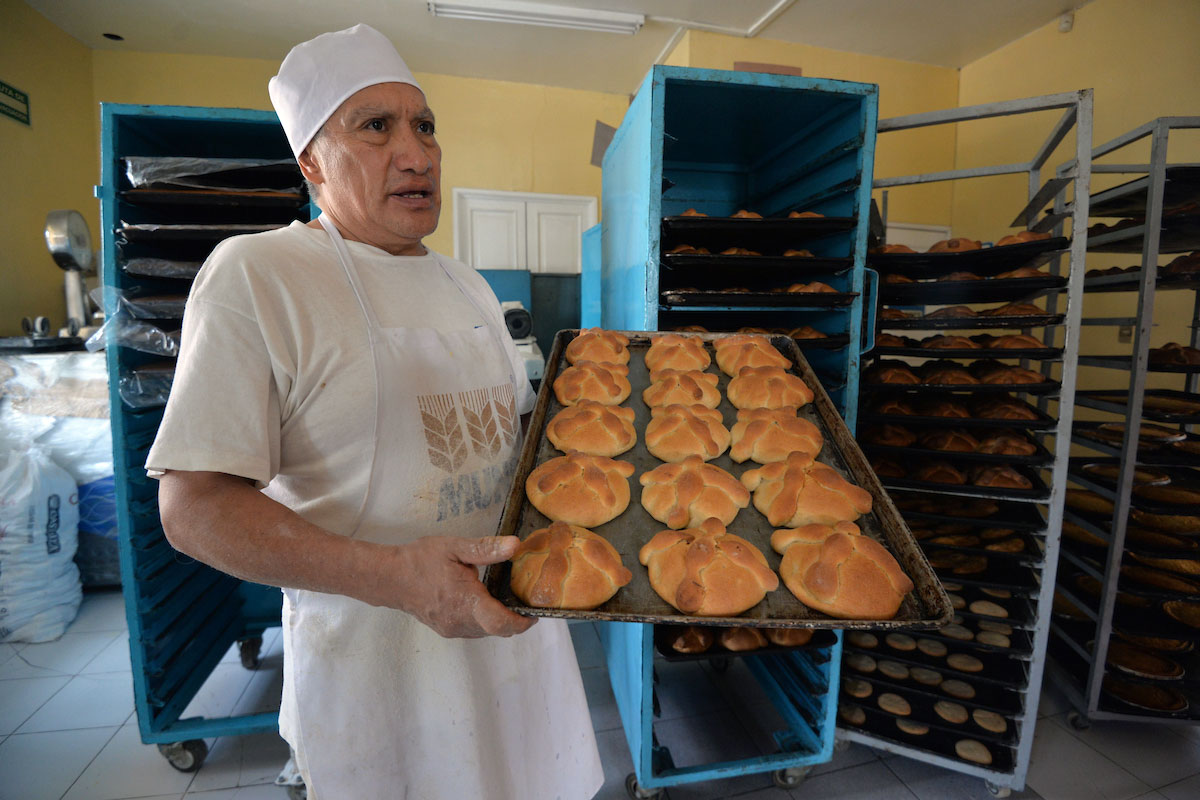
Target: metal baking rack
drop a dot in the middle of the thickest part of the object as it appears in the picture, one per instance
(794, 144)
(1153, 201)
(183, 616)
(1032, 575)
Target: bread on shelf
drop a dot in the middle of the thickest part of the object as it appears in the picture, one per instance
(891, 436)
(953, 440)
(742, 640)
(955, 245)
(692, 639)
(1021, 238)
(1016, 341)
(1008, 443)
(952, 312)
(1000, 477)
(940, 472)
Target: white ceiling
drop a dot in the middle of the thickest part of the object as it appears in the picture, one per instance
(945, 32)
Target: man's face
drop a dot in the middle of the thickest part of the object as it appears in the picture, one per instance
(379, 168)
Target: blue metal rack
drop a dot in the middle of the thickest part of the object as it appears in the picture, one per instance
(721, 141)
(183, 616)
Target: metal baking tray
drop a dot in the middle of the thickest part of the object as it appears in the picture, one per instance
(1182, 186)
(763, 235)
(696, 265)
(675, 297)
(1017, 578)
(1116, 402)
(986, 290)
(1148, 455)
(1031, 554)
(1126, 362)
(1040, 490)
(984, 262)
(939, 741)
(1045, 387)
(1019, 516)
(663, 635)
(834, 342)
(998, 670)
(1042, 423)
(1128, 281)
(1180, 234)
(968, 323)
(1021, 643)
(1038, 353)
(1041, 456)
(925, 607)
(214, 197)
(154, 232)
(922, 699)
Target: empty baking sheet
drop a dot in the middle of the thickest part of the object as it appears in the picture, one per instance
(968, 323)
(151, 232)
(214, 197)
(925, 607)
(986, 290)
(1045, 387)
(771, 235)
(985, 262)
(675, 297)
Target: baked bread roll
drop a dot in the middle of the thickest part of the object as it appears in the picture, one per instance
(951, 312)
(593, 428)
(768, 387)
(739, 251)
(895, 407)
(793, 253)
(691, 212)
(1000, 477)
(800, 491)
(954, 440)
(888, 468)
(1006, 408)
(804, 215)
(741, 640)
(565, 566)
(839, 572)
(744, 214)
(676, 432)
(688, 250)
(1010, 375)
(807, 332)
(896, 277)
(692, 639)
(1183, 265)
(788, 637)
(894, 372)
(687, 493)
(891, 436)
(896, 248)
(1008, 443)
(599, 346)
(766, 435)
(685, 387)
(707, 572)
(580, 489)
(956, 245)
(1021, 238)
(949, 343)
(604, 383)
(940, 472)
(962, 276)
(1015, 310)
(894, 313)
(692, 329)
(669, 351)
(1022, 272)
(1015, 341)
(890, 340)
(1174, 354)
(816, 287)
(734, 353)
(948, 376)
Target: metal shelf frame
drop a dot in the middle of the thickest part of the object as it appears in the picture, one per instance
(1086, 697)
(1076, 118)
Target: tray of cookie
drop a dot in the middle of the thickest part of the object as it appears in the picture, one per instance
(674, 518)
(1015, 345)
(986, 446)
(967, 255)
(951, 744)
(983, 376)
(1009, 315)
(1017, 284)
(696, 643)
(983, 678)
(984, 633)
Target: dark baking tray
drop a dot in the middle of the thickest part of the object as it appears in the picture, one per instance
(664, 633)
(1042, 456)
(1018, 579)
(1182, 186)
(1040, 490)
(1019, 516)
(1039, 353)
(714, 264)
(1031, 553)
(834, 342)
(1113, 400)
(1129, 281)
(214, 197)
(1151, 455)
(922, 701)
(984, 262)
(753, 234)
(674, 297)
(1180, 234)
(150, 232)
(882, 725)
(1126, 362)
(1045, 387)
(991, 693)
(1042, 423)
(926, 607)
(1021, 642)
(969, 323)
(987, 290)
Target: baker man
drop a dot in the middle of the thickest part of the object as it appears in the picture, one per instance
(370, 386)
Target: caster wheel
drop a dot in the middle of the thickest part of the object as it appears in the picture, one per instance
(185, 756)
(791, 777)
(636, 792)
(1078, 721)
(720, 664)
(297, 792)
(998, 791)
(249, 650)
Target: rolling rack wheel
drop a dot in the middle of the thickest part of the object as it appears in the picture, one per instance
(1078, 721)
(636, 792)
(185, 756)
(790, 777)
(297, 792)
(249, 650)
(998, 791)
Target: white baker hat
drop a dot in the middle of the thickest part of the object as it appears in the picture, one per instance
(318, 75)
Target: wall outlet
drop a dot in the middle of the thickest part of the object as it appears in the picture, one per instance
(1125, 333)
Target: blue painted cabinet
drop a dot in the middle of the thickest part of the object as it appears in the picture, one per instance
(718, 142)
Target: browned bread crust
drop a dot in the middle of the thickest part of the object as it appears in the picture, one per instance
(788, 637)
(670, 351)
(953, 440)
(687, 493)
(689, 387)
(692, 639)
(767, 435)
(566, 566)
(587, 380)
(952, 312)
(599, 346)
(593, 428)
(940, 472)
(1021, 238)
(800, 491)
(955, 245)
(1000, 477)
(580, 489)
(677, 431)
(741, 640)
(734, 353)
(768, 387)
(891, 436)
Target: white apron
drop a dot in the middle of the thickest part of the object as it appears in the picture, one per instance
(376, 705)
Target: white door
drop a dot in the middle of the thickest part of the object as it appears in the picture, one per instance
(520, 230)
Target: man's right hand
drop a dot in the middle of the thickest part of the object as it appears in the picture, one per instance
(438, 583)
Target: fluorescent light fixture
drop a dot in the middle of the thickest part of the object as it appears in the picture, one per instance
(528, 13)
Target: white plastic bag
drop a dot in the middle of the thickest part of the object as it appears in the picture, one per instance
(39, 518)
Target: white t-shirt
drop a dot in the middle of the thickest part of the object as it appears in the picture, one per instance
(275, 376)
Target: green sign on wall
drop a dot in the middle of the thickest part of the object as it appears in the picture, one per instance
(14, 103)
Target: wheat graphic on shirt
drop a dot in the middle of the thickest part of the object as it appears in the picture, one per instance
(481, 423)
(443, 434)
(506, 408)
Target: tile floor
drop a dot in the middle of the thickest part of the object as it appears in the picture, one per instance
(68, 732)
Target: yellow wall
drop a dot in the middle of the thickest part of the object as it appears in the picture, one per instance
(904, 88)
(1143, 62)
(47, 165)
